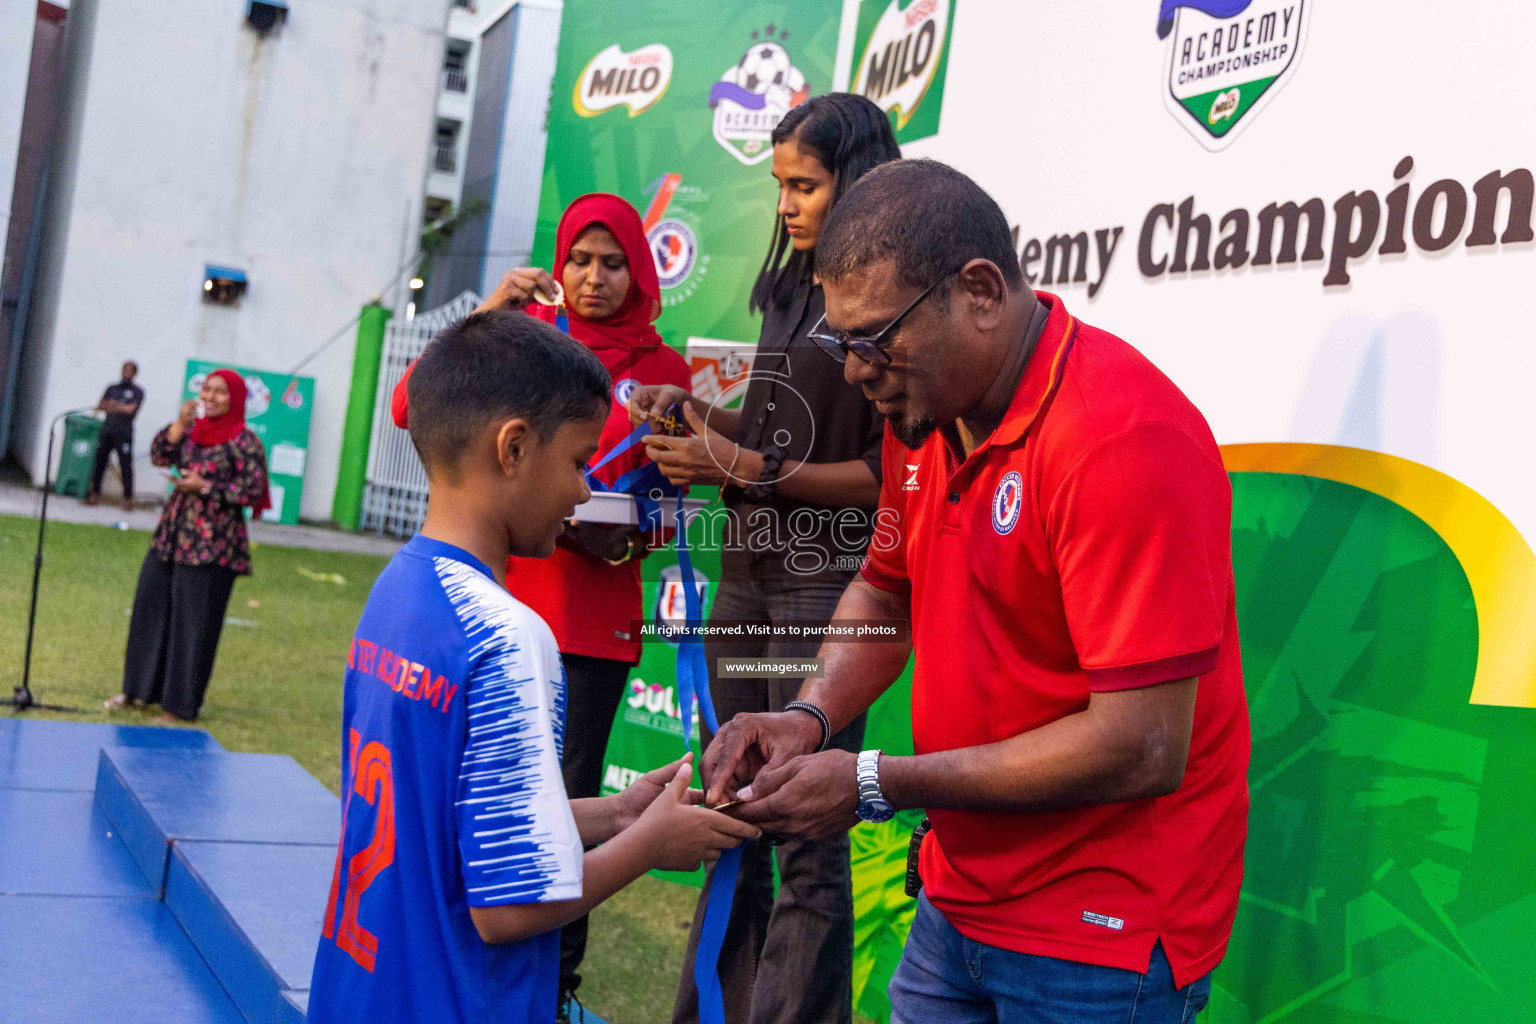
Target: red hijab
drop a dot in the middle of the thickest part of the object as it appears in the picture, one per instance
(629, 328)
(215, 430)
(211, 430)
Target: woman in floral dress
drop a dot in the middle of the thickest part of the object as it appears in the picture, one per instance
(198, 549)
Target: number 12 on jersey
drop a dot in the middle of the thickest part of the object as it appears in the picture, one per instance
(373, 780)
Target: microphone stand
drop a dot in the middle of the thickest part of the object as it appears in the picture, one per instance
(22, 698)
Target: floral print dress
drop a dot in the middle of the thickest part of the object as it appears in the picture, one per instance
(209, 529)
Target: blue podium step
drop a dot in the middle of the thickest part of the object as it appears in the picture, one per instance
(60, 844)
(254, 912)
(86, 958)
(240, 847)
(37, 754)
(159, 797)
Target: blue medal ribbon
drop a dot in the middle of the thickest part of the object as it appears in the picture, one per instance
(692, 683)
(693, 678)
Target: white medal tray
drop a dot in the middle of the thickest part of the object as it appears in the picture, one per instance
(621, 510)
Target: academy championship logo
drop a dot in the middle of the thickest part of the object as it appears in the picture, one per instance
(1226, 60)
(675, 248)
(753, 96)
(615, 78)
(1007, 502)
(902, 56)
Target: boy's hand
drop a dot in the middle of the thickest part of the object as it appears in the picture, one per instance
(681, 836)
(631, 803)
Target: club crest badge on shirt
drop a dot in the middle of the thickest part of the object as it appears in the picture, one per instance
(622, 389)
(1007, 502)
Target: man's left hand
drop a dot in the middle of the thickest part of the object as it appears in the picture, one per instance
(813, 796)
(703, 458)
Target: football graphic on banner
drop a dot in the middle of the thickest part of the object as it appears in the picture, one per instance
(753, 96)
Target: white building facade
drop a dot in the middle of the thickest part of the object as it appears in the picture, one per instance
(187, 139)
(455, 92)
(501, 150)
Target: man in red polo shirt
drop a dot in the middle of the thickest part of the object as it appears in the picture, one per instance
(1055, 525)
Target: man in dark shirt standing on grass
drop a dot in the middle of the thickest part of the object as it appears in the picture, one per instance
(121, 402)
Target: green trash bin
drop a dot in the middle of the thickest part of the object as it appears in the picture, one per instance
(78, 456)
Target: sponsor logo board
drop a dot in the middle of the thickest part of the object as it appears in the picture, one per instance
(901, 63)
(754, 94)
(615, 78)
(1226, 59)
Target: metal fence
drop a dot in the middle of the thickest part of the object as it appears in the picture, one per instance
(395, 495)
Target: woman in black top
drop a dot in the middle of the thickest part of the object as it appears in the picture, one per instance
(799, 468)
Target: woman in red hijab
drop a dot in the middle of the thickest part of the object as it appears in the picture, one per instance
(198, 549)
(589, 590)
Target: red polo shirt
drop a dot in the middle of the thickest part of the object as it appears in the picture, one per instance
(1084, 546)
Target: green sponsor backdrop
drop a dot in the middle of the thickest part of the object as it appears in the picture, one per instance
(1388, 873)
(1389, 869)
(725, 205)
(711, 214)
(277, 409)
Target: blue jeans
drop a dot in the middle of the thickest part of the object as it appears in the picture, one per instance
(944, 976)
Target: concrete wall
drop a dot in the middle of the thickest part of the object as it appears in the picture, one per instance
(16, 20)
(298, 157)
(38, 119)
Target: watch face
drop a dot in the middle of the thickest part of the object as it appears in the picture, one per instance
(876, 811)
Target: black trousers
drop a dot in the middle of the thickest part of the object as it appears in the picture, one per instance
(594, 687)
(178, 612)
(106, 444)
(786, 959)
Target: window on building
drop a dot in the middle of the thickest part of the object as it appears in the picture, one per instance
(456, 66)
(445, 146)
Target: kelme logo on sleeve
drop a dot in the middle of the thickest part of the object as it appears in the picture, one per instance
(614, 78)
(903, 58)
(1226, 60)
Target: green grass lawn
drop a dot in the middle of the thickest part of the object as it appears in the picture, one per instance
(277, 689)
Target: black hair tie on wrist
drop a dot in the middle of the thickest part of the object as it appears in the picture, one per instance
(820, 716)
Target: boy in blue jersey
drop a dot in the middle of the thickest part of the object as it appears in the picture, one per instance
(460, 856)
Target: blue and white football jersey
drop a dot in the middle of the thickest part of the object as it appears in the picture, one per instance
(452, 727)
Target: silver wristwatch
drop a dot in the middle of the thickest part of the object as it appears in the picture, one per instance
(873, 806)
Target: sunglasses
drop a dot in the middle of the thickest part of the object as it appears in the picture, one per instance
(873, 349)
